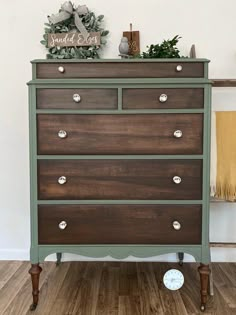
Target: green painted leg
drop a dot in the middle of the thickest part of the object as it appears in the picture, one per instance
(181, 258)
(35, 271)
(59, 255)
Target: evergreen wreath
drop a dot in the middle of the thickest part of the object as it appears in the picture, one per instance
(90, 22)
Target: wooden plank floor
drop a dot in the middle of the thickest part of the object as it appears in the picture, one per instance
(113, 288)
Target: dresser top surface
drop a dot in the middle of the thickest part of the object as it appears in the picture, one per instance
(119, 60)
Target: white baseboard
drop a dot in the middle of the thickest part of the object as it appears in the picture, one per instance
(14, 254)
(217, 255)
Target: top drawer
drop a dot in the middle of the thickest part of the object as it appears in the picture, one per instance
(120, 70)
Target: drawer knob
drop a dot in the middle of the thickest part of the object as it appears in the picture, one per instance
(61, 69)
(176, 225)
(163, 98)
(62, 134)
(177, 180)
(62, 180)
(76, 98)
(62, 225)
(178, 134)
(179, 68)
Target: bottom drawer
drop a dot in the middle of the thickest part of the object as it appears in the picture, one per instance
(119, 224)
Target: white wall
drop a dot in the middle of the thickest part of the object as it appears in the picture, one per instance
(210, 25)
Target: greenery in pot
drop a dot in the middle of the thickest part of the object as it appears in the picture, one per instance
(167, 49)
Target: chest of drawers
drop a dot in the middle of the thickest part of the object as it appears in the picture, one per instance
(119, 155)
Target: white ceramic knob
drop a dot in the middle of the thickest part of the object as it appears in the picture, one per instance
(62, 180)
(177, 180)
(179, 68)
(62, 134)
(178, 134)
(76, 98)
(62, 225)
(163, 98)
(176, 225)
(61, 69)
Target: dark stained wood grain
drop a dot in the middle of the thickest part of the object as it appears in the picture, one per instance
(150, 300)
(88, 286)
(120, 179)
(120, 70)
(129, 291)
(23, 299)
(223, 82)
(204, 272)
(48, 287)
(91, 287)
(63, 98)
(149, 98)
(120, 134)
(7, 271)
(107, 303)
(134, 42)
(119, 224)
(35, 271)
(14, 273)
(69, 290)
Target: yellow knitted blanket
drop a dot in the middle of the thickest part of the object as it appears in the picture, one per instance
(226, 155)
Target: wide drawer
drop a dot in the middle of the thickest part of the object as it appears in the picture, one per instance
(120, 70)
(120, 134)
(163, 98)
(77, 98)
(119, 224)
(120, 179)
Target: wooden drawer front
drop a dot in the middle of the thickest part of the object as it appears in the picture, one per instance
(120, 179)
(68, 98)
(119, 224)
(120, 134)
(120, 70)
(151, 98)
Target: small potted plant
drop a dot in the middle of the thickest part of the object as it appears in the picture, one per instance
(167, 49)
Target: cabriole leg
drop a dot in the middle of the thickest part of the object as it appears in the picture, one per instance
(204, 272)
(59, 255)
(181, 258)
(35, 271)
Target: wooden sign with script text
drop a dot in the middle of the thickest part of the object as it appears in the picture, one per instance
(133, 39)
(73, 39)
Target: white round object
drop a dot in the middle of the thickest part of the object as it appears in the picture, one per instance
(177, 180)
(173, 279)
(62, 225)
(76, 98)
(61, 69)
(62, 180)
(179, 68)
(178, 134)
(163, 98)
(62, 134)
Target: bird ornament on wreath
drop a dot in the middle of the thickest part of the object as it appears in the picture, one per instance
(74, 32)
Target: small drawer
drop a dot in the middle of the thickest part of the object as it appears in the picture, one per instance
(120, 179)
(77, 98)
(119, 224)
(120, 134)
(163, 98)
(133, 69)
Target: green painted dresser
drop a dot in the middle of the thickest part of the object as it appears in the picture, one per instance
(119, 159)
